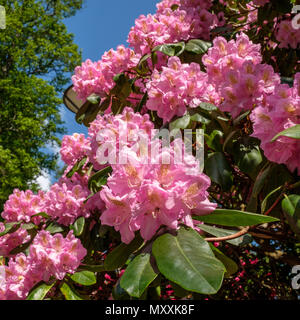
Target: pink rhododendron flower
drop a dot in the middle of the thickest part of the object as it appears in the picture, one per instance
(288, 36)
(49, 256)
(235, 70)
(74, 148)
(144, 197)
(177, 87)
(21, 206)
(278, 112)
(189, 20)
(97, 77)
(56, 255)
(10, 241)
(125, 129)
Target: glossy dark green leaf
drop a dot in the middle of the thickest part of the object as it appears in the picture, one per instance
(187, 260)
(291, 209)
(78, 166)
(230, 265)
(199, 118)
(138, 275)
(86, 278)
(214, 140)
(40, 291)
(99, 179)
(78, 226)
(94, 99)
(54, 228)
(218, 169)
(181, 123)
(234, 218)
(207, 106)
(292, 132)
(10, 227)
(171, 49)
(197, 46)
(118, 257)
(69, 293)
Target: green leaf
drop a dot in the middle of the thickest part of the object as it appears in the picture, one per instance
(142, 102)
(218, 169)
(41, 214)
(78, 226)
(99, 179)
(86, 278)
(94, 98)
(197, 46)
(291, 209)
(54, 228)
(230, 265)
(247, 157)
(69, 293)
(78, 166)
(292, 132)
(171, 49)
(234, 218)
(264, 203)
(39, 292)
(208, 106)
(199, 118)
(217, 232)
(28, 226)
(214, 140)
(10, 227)
(138, 275)
(257, 188)
(80, 115)
(180, 123)
(187, 260)
(118, 257)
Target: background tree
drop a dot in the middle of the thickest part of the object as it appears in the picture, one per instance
(36, 56)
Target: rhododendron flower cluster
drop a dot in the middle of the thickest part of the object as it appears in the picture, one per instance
(189, 19)
(235, 70)
(176, 87)
(279, 111)
(143, 197)
(10, 241)
(49, 256)
(97, 77)
(73, 148)
(123, 130)
(22, 206)
(287, 35)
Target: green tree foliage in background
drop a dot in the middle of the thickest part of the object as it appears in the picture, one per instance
(36, 56)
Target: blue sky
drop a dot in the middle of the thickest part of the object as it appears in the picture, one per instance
(99, 26)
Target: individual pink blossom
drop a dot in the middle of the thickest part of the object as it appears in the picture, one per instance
(97, 77)
(22, 205)
(287, 36)
(74, 148)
